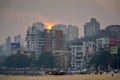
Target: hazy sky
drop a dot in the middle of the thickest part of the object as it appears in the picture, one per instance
(17, 15)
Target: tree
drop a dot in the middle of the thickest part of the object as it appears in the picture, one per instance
(116, 61)
(17, 61)
(33, 59)
(2, 58)
(46, 60)
(103, 59)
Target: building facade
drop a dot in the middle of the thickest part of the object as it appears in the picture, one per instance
(53, 40)
(64, 29)
(35, 38)
(102, 43)
(60, 27)
(114, 31)
(2, 49)
(77, 56)
(89, 48)
(8, 46)
(91, 28)
(62, 58)
(18, 39)
(73, 32)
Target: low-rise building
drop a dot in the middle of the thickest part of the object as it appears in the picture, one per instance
(102, 43)
(89, 48)
(62, 58)
(77, 56)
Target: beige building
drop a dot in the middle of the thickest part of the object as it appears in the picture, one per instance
(62, 58)
(89, 48)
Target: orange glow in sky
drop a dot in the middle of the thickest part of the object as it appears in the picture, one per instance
(49, 25)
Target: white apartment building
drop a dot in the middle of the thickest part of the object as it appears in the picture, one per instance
(35, 38)
(77, 56)
(102, 43)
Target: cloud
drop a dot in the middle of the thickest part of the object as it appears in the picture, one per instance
(109, 5)
(18, 22)
(33, 16)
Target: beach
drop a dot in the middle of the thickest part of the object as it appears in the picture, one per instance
(65, 77)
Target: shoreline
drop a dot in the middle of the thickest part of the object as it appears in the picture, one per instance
(63, 77)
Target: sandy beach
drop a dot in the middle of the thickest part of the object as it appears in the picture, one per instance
(64, 77)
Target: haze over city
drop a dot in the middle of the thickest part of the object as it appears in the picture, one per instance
(17, 15)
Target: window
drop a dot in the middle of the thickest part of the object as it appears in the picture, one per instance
(32, 40)
(78, 61)
(78, 57)
(79, 53)
(32, 34)
(73, 51)
(90, 44)
(78, 48)
(53, 34)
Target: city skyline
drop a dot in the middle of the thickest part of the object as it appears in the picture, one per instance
(16, 15)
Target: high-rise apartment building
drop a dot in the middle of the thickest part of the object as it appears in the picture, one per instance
(91, 28)
(1, 49)
(8, 46)
(53, 40)
(60, 27)
(35, 38)
(114, 31)
(73, 32)
(64, 29)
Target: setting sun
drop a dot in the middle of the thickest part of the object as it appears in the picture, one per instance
(49, 25)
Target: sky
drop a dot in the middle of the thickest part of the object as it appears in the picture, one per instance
(17, 15)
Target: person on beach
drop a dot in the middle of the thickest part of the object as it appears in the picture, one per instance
(112, 73)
